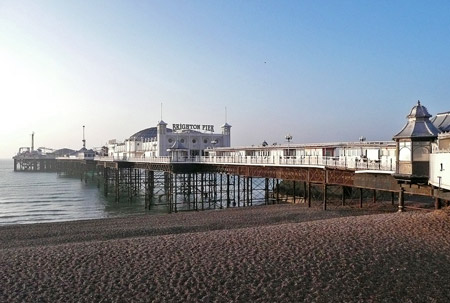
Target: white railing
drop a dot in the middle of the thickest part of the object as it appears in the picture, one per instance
(333, 162)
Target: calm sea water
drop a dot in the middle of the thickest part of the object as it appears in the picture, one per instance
(27, 197)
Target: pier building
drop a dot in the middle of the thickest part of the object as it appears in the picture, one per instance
(179, 142)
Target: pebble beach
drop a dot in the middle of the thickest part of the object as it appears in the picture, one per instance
(277, 253)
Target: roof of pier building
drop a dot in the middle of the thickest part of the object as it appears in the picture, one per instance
(177, 146)
(151, 132)
(442, 121)
(418, 125)
(148, 133)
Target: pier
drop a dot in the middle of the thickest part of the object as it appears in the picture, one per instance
(186, 170)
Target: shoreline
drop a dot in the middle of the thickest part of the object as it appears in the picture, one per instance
(282, 253)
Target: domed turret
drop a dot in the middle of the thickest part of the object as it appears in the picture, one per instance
(419, 111)
(414, 145)
(418, 125)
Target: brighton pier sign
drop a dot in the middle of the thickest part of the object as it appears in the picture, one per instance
(204, 127)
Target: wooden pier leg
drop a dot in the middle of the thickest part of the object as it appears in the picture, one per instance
(151, 188)
(266, 190)
(374, 196)
(196, 191)
(189, 190)
(239, 191)
(117, 172)
(324, 196)
(175, 187)
(304, 192)
(146, 188)
(202, 191)
(130, 183)
(343, 195)
(309, 194)
(437, 203)
(401, 200)
(293, 185)
(360, 198)
(392, 198)
(105, 180)
(215, 190)
(273, 191)
(249, 191)
(221, 191)
(278, 191)
(228, 191)
(234, 190)
(250, 186)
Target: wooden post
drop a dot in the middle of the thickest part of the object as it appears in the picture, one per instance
(130, 183)
(266, 191)
(250, 186)
(374, 196)
(309, 194)
(278, 191)
(175, 192)
(305, 194)
(360, 198)
(324, 196)
(215, 190)
(437, 203)
(196, 191)
(234, 190)
(228, 191)
(294, 191)
(343, 195)
(249, 190)
(239, 191)
(151, 188)
(401, 200)
(221, 191)
(105, 180)
(117, 185)
(202, 191)
(392, 198)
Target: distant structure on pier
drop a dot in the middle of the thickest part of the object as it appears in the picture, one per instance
(182, 140)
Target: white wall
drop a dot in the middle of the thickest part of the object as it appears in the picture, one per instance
(437, 170)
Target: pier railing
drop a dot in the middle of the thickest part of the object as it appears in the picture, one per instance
(387, 165)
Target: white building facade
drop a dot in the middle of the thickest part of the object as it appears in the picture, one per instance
(182, 140)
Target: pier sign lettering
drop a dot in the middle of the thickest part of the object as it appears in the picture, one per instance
(180, 126)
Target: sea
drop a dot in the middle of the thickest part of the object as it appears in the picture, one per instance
(37, 197)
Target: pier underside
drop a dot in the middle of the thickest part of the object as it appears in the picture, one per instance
(198, 186)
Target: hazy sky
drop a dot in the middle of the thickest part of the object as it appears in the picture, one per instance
(320, 70)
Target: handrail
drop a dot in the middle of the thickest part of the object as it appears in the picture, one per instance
(332, 162)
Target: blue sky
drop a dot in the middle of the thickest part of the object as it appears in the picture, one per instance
(320, 70)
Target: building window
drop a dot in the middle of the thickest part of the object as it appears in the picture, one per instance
(205, 141)
(194, 141)
(170, 140)
(182, 140)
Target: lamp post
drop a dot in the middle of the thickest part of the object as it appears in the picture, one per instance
(288, 137)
